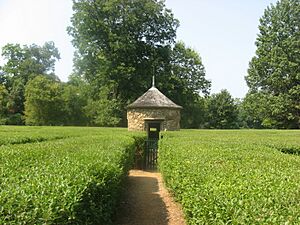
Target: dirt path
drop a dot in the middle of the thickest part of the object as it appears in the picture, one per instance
(147, 202)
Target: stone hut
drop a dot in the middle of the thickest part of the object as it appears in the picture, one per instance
(153, 110)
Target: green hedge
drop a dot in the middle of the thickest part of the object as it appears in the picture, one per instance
(23, 135)
(75, 180)
(233, 177)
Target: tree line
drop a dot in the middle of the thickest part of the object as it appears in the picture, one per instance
(121, 44)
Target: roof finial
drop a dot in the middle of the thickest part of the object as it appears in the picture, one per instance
(153, 81)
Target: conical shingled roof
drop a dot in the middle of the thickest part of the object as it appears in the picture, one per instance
(153, 98)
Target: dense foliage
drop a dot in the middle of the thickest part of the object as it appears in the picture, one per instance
(233, 177)
(23, 63)
(222, 111)
(62, 175)
(121, 44)
(274, 71)
(44, 102)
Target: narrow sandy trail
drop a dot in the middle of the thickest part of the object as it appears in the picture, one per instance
(147, 202)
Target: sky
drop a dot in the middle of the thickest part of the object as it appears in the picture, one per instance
(223, 32)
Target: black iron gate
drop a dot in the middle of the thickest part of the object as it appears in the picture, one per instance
(150, 154)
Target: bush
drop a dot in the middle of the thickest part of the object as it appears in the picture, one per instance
(233, 177)
(74, 180)
(14, 119)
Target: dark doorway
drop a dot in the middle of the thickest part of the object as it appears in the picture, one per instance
(153, 127)
(153, 130)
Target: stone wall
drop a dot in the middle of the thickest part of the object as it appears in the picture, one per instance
(136, 118)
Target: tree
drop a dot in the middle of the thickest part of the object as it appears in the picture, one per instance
(194, 113)
(222, 111)
(121, 44)
(117, 42)
(275, 69)
(44, 102)
(186, 82)
(22, 65)
(103, 112)
(3, 104)
(74, 95)
(254, 110)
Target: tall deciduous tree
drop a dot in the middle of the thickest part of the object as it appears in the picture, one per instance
(185, 83)
(254, 110)
(275, 70)
(75, 100)
(44, 102)
(22, 64)
(121, 44)
(118, 41)
(222, 111)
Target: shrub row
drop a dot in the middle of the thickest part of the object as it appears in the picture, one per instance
(23, 135)
(68, 181)
(233, 177)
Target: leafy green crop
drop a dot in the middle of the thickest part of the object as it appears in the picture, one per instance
(233, 177)
(68, 175)
(73, 180)
(23, 135)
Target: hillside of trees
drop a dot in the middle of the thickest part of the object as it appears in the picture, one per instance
(121, 44)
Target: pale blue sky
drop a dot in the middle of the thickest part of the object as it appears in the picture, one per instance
(223, 32)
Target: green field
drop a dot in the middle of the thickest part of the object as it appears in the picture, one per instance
(69, 175)
(234, 177)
